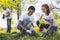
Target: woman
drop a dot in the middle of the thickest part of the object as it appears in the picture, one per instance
(51, 24)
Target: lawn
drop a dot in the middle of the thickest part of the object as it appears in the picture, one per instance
(12, 36)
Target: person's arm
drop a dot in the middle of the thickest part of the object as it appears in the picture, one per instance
(51, 23)
(41, 17)
(38, 22)
(8, 14)
(20, 24)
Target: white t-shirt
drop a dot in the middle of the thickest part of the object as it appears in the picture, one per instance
(48, 18)
(9, 17)
(25, 16)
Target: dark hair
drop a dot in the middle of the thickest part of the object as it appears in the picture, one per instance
(47, 7)
(31, 7)
(4, 7)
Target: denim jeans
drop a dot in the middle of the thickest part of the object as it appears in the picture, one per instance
(52, 29)
(8, 25)
(25, 24)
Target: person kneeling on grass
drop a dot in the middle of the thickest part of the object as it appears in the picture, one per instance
(51, 24)
(26, 20)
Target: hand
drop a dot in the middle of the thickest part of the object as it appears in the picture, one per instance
(3, 16)
(45, 31)
(28, 31)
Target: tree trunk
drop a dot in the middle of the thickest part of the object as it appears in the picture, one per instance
(18, 11)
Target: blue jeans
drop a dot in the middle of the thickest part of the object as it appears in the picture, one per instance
(52, 29)
(8, 25)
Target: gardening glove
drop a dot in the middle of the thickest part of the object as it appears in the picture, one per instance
(28, 31)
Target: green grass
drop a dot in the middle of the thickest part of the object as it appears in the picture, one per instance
(12, 36)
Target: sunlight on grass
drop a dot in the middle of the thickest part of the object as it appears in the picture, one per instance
(3, 31)
(13, 30)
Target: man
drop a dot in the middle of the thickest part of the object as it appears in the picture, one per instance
(26, 20)
(9, 17)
